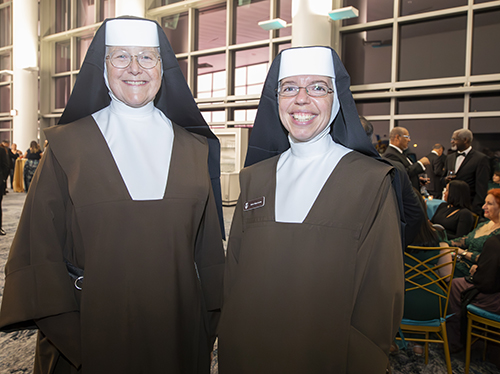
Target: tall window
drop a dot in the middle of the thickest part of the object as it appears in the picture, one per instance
(5, 26)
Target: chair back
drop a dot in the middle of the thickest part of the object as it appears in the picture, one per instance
(476, 220)
(423, 269)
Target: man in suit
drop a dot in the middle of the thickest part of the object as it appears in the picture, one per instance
(399, 137)
(470, 166)
(435, 171)
(413, 212)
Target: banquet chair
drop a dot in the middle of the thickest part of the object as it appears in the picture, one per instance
(481, 324)
(476, 220)
(423, 275)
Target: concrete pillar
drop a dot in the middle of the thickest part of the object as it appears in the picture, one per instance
(25, 79)
(311, 23)
(130, 8)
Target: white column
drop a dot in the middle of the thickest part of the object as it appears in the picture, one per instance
(311, 24)
(25, 79)
(130, 8)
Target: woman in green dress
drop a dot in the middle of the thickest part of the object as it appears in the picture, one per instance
(472, 244)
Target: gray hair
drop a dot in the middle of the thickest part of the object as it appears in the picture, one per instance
(464, 134)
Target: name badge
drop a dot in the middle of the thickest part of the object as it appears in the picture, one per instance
(254, 204)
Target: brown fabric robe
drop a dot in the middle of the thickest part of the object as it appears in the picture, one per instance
(153, 269)
(323, 296)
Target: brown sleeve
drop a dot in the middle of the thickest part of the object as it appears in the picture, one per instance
(37, 285)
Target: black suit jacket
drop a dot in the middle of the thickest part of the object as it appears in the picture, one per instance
(475, 171)
(435, 171)
(413, 170)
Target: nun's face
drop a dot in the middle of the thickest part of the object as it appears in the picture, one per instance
(305, 116)
(134, 85)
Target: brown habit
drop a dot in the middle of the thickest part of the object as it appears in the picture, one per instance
(323, 296)
(143, 307)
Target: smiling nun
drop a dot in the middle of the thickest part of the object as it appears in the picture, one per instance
(314, 275)
(138, 232)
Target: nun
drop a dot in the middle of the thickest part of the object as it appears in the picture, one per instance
(118, 257)
(314, 276)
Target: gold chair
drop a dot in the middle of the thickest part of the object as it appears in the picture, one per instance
(423, 275)
(481, 324)
(476, 220)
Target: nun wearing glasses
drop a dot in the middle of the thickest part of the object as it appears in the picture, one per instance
(314, 276)
(118, 258)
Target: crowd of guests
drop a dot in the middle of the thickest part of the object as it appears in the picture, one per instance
(467, 219)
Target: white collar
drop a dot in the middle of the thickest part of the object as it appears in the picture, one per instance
(393, 146)
(466, 151)
(316, 146)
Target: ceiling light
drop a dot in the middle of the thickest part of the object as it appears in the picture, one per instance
(343, 13)
(273, 24)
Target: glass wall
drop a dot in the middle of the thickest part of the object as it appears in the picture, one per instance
(67, 46)
(430, 66)
(224, 54)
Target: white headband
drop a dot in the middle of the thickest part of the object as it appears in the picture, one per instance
(131, 32)
(306, 61)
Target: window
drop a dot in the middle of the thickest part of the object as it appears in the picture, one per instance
(430, 105)
(285, 13)
(373, 107)
(486, 39)
(5, 27)
(85, 12)
(63, 15)
(370, 10)
(248, 14)
(62, 91)
(176, 29)
(63, 60)
(5, 99)
(367, 56)
(423, 6)
(433, 49)
(251, 71)
(211, 27)
(83, 44)
(211, 76)
(485, 102)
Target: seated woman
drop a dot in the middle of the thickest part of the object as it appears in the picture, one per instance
(495, 180)
(419, 304)
(486, 279)
(472, 244)
(455, 215)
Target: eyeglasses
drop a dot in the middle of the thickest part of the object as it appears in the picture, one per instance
(406, 136)
(314, 90)
(123, 59)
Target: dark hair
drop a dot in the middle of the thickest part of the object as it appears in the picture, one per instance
(427, 236)
(459, 194)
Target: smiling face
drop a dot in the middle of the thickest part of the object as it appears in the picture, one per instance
(134, 85)
(459, 143)
(304, 116)
(491, 208)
